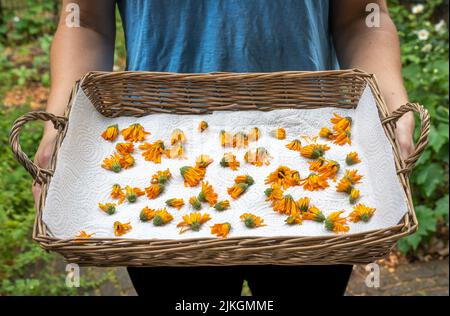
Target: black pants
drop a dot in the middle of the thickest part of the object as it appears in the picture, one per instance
(264, 280)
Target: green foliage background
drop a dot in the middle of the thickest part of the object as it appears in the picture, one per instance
(25, 269)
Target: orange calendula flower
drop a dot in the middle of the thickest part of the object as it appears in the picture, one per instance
(221, 229)
(283, 176)
(342, 138)
(325, 132)
(112, 163)
(279, 133)
(258, 157)
(294, 219)
(116, 192)
(361, 212)
(286, 205)
(161, 177)
(314, 182)
(111, 132)
(352, 158)
(193, 221)
(203, 161)
(82, 234)
(176, 203)
(154, 190)
(226, 139)
(125, 148)
(274, 193)
(134, 133)
(108, 208)
(126, 161)
(303, 204)
(207, 194)
(244, 179)
(192, 175)
(314, 151)
(341, 123)
(196, 204)
(152, 152)
(229, 160)
(147, 214)
(254, 134)
(251, 220)
(222, 205)
(353, 176)
(344, 185)
(313, 214)
(240, 140)
(121, 228)
(314, 165)
(354, 195)
(162, 217)
(237, 190)
(177, 151)
(202, 126)
(329, 169)
(131, 194)
(335, 223)
(295, 145)
(177, 137)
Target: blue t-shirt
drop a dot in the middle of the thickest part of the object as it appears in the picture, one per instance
(227, 35)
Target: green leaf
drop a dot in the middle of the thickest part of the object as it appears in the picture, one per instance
(438, 136)
(431, 177)
(441, 209)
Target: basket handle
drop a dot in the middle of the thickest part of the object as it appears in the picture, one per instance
(59, 122)
(424, 131)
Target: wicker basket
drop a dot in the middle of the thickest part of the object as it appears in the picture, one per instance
(143, 93)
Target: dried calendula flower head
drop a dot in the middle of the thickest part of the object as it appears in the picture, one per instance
(240, 140)
(176, 203)
(237, 190)
(329, 169)
(154, 190)
(352, 158)
(116, 191)
(177, 137)
(286, 205)
(207, 194)
(325, 132)
(341, 123)
(314, 182)
(279, 133)
(193, 221)
(361, 212)
(147, 214)
(254, 134)
(314, 165)
(202, 126)
(344, 185)
(282, 176)
(112, 163)
(335, 223)
(353, 176)
(131, 194)
(354, 195)
(134, 133)
(258, 157)
(226, 139)
(161, 177)
(314, 151)
(295, 145)
(342, 138)
(313, 214)
(294, 219)
(108, 208)
(293, 179)
(303, 204)
(274, 192)
(244, 179)
(196, 204)
(177, 151)
(83, 234)
(125, 148)
(121, 228)
(162, 217)
(221, 229)
(222, 205)
(229, 160)
(126, 161)
(251, 220)
(203, 161)
(111, 132)
(153, 152)
(192, 175)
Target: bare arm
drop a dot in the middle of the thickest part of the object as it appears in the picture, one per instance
(375, 50)
(75, 51)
